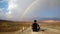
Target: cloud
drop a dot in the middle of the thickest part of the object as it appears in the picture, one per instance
(17, 7)
(2, 14)
(12, 4)
(1, 1)
(3, 8)
(44, 8)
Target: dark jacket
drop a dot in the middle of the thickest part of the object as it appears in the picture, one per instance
(35, 27)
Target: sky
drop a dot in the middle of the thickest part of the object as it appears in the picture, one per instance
(29, 9)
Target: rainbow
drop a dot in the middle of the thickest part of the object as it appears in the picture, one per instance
(28, 8)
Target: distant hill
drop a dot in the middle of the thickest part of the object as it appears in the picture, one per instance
(48, 19)
(3, 20)
(7, 21)
(33, 19)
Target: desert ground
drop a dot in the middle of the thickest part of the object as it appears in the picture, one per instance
(24, 27)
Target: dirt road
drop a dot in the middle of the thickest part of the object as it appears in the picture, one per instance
(29, 31)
